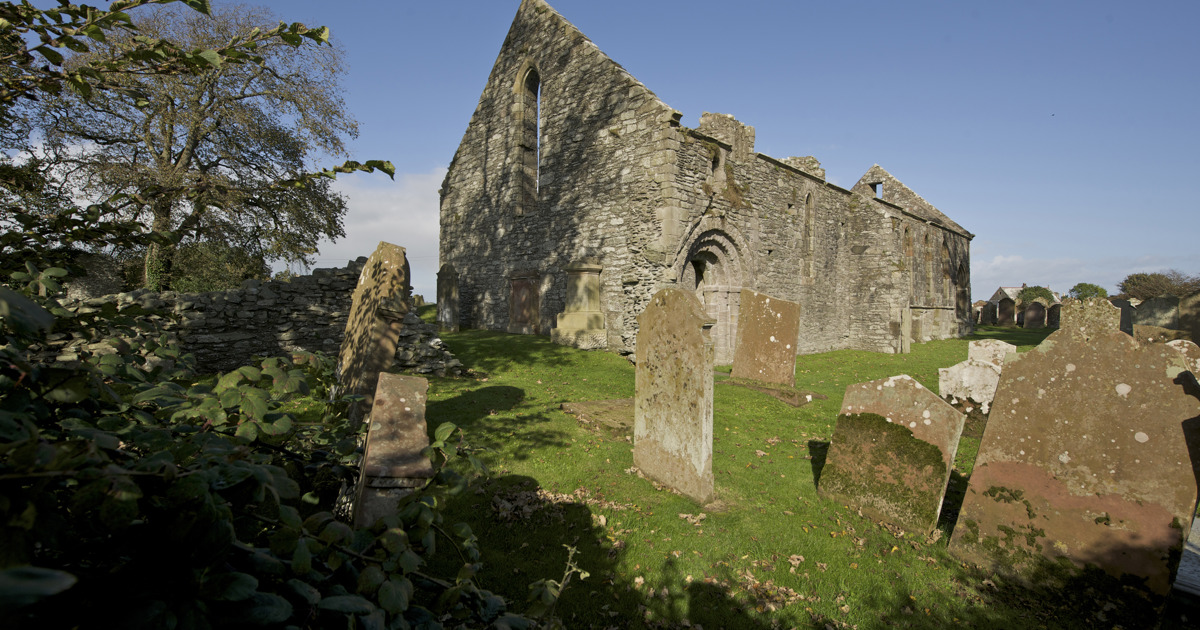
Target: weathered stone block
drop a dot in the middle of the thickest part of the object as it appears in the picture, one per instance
(1161, 311)
(672, 430)
(447, 298)
(766, 337)
(1087, 458)
(1085, 318)
(377, 309)
(989, 350)
(972, 379)
(892, 452)
(393, 462)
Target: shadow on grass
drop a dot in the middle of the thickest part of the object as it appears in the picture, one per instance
(488, 351)
(485, 405)
(819, 450)
(524, 533)
(1012, 334)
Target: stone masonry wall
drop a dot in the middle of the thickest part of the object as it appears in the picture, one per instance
(226, 329)
(613, 177)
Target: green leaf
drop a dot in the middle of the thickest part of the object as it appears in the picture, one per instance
(443, 431)
(370, 580)
(409, 561)
(266, 609)
(211, 57)
(51, 55)
(302, 559)
(349, 604)
(23, 314)
(233, 587)
(394, 594)
(248, 430)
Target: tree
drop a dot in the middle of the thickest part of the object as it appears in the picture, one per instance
(1144, 286)
(200, 152)
(1028, 294)
(1085, 290)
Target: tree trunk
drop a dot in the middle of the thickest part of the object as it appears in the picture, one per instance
(157, 270)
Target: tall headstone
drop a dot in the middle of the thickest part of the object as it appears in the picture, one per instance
(524, 302)
(1126, 307)
(447, 298)
(377, 310)
(1161, 311)
(1084, 318)
(892, 452)
(581, 325)
(766, 339)
(1035, 315)
(673, 398)
(1054, 315)
(394, 464)
(1006, 312)
(1086, 460)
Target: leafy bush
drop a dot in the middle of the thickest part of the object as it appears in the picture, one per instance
(1144, 286)
(1029, 294)
(1085, 290)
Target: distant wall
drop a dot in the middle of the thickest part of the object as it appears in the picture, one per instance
(226, 329)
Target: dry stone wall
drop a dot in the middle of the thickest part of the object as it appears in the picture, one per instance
(226, 329)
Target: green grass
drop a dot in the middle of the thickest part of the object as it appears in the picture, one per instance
(768, 553)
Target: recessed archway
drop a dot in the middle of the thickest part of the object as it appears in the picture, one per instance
(713, 266)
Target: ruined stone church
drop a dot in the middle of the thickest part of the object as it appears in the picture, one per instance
(576, 194)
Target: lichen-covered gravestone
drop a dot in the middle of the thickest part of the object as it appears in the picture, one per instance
(1087, 458)
(672, 425)
(394, 463)
(373, 327)
(892, 452)
(977, 377)
(766, 338)
(1084, 318)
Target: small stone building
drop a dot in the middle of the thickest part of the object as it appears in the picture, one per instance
(576, 194)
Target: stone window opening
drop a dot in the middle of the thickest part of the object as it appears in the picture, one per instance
(529, 163)
(877, 188)
(810, 211)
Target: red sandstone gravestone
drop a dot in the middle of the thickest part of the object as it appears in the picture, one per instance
(672, 426)
(373, 327)
(892, 452)
(1087, 458)
(766, 338)
(394, 463)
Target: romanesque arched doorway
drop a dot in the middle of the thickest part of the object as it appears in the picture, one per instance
(713, 266)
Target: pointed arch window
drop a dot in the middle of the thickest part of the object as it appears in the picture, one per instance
(529, 139)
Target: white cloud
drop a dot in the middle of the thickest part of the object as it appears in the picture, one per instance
(403, 212)
(1060, 274)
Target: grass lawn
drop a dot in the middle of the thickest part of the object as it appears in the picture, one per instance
(768, 553)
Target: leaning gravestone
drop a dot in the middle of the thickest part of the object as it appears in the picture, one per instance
(766, 337)
(970, 380)
(673, 398)
(1086, 460)
(892, 452)
(394, 463)
(373, 327)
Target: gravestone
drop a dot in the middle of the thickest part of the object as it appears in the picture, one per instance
(581, 325)
(972, 379)
(1161, 311)
(766, 338)
(447, 298)
(1085, 318)
(892, 452)
(1054, 315)
(524, 302)
(673, 398)
(1086, 460)
(1006, 312)
(394, 464)
(1035, 315)
(1190, 352)
(1189, 316)
(377, 310)
(1126, 308)
(989, 350)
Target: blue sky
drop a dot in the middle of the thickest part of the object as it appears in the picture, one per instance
(1061, 133)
